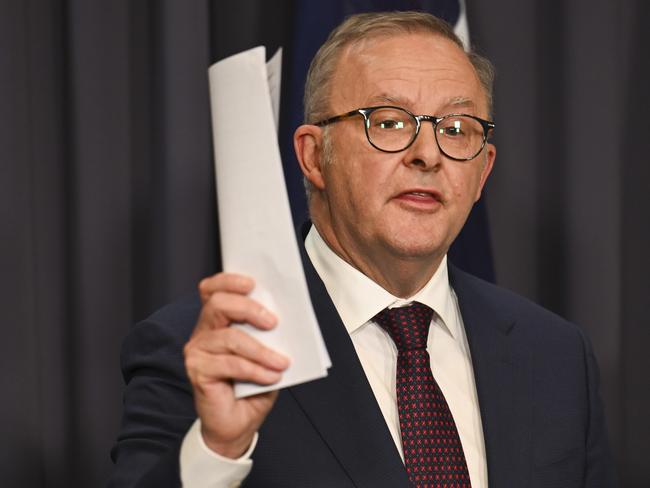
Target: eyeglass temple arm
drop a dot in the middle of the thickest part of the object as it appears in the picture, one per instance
(338, 118)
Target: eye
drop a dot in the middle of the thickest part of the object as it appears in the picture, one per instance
(390, 120)
(390, 124)
(453, 129)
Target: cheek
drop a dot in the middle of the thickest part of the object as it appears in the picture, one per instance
(465, 185)
(345, 186)
(360, 178)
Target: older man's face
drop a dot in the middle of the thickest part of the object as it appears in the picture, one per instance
(412, 204)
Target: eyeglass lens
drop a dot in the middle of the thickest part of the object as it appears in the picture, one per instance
(393, 129)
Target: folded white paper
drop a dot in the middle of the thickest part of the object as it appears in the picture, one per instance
(257, 232)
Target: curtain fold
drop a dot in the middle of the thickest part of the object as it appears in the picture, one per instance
(108, 205)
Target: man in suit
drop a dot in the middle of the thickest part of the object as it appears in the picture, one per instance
(506, 393)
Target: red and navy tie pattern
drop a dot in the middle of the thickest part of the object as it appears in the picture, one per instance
(433, 454)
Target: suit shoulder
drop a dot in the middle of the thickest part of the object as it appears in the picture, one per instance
(512, 306)
(180, 316)
(164, 333)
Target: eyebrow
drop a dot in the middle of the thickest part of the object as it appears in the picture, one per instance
(383, 98)
(453, 102)
(460, 102)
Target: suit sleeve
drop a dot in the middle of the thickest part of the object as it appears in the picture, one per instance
(158, 407)
(600, 472)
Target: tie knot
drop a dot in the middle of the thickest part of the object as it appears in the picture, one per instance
(407, 326)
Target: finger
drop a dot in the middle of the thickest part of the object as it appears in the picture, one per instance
(234, 341)
(228, 282)
(205, 369)
(223, 308)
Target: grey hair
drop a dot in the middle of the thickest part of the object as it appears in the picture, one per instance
(361, 27)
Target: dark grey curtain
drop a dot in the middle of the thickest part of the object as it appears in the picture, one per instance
(569, 200)
(107, 196)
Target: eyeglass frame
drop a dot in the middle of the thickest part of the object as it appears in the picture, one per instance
(365, 112)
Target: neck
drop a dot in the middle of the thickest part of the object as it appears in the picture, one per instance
(401, 276)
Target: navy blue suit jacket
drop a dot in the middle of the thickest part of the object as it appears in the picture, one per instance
(535, 373)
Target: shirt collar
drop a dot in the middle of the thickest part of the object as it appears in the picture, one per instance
(358, 299)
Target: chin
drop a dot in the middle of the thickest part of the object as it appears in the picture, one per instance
(418, 249)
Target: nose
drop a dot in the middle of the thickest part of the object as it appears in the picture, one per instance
(424, 153)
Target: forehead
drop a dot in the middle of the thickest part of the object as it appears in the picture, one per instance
(424, 72)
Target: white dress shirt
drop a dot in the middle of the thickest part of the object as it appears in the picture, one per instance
(358, 299)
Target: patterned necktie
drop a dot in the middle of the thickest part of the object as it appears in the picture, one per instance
(433, 454)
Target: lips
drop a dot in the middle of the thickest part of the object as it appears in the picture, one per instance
(421, 195)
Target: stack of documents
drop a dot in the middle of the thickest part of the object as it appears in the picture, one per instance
(257, 232)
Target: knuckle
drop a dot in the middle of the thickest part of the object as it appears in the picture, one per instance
(232, 342)
(198, 387)
(215, 301)
(187, 350)
(211, 284)
(229, 340)
(239, 343)
(237, 367)
(215, 312)
(191, 367)
(190, 347)
(202, 286)
(246, 369)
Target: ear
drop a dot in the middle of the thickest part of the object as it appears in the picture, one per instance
(308, 144)
(488, 163)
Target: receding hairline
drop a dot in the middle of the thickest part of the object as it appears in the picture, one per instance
(355, 47)
(358, 30)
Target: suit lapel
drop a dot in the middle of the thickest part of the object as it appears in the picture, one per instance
(503, 374)
(342, 406)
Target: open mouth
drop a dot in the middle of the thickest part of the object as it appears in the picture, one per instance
(423, 196)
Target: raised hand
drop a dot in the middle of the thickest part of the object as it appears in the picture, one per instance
(217, 355)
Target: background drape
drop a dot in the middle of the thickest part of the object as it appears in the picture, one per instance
(107, 195)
